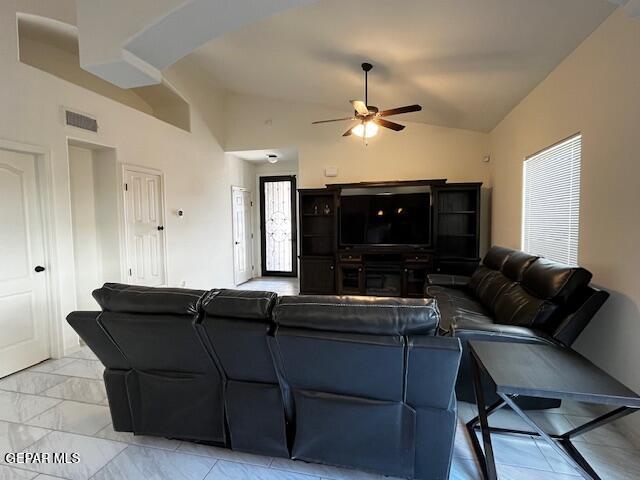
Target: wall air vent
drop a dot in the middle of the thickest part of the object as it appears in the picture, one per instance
(80, 120)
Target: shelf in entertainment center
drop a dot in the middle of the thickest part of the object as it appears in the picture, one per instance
(461, 235)
(316, 215)
(317, 235)
(459, 212)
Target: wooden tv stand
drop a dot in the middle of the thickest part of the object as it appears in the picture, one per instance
(327, 268)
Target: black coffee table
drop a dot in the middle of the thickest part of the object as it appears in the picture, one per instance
(542, 371)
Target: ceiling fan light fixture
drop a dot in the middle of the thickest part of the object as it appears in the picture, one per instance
(365, 129)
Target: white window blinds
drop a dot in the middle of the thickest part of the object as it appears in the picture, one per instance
(551, 202)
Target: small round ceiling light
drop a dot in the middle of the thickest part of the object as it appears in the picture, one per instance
(272, 158)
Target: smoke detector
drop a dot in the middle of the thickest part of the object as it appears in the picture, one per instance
(272, 158)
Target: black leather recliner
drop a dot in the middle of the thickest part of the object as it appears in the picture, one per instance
(372, 386)
(160, 378)
(360, 382)
(514, 297)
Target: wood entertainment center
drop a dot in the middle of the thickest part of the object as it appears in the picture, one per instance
(329, 267)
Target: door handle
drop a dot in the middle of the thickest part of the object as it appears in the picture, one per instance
(160, 227)
(237, 243)
(39, 269)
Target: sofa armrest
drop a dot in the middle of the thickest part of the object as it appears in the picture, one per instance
(467, 330)
(89, 327)
(451, 281)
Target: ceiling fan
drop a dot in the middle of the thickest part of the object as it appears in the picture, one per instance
(368, 116)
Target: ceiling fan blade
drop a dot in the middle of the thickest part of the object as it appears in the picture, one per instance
(348, 132)
(360, 107)
(387, 124)
(399, 110)
(333, 120)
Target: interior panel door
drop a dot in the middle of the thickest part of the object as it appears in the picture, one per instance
(144, 219)
(242, 260)
(24, 336)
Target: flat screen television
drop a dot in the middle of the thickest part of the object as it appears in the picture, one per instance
(385, 217)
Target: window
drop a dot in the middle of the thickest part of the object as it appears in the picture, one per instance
(551, 202)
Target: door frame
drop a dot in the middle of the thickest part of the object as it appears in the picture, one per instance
(124, 251)
(250, 223)
(294, 227)
(44, 183)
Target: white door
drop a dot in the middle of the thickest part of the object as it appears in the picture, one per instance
(24, 337)
(144, 225)
(242, 244)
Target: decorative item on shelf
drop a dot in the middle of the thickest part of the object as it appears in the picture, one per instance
(315, 209)
(327, 209)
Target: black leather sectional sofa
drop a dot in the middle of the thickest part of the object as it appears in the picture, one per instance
(351, 381)
(514, 297)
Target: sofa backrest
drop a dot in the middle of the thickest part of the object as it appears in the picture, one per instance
(346, 361)
(526, 290)
(235, 323)
(170, 380)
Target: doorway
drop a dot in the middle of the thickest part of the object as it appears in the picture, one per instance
(242, 235)
(24, 319)
(94, 186)
(278, 229)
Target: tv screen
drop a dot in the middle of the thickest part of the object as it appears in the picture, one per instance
(385, 219)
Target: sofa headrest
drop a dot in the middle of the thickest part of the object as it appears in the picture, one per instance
(496, 256)
(515, 265)
(247, 304)
(354, 314)
(554, 281)
(117, 297)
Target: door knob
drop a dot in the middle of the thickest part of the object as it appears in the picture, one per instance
(39, 269)
(160, 227)
(237, 243)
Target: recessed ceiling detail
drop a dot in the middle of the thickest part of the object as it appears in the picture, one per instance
(130, 43)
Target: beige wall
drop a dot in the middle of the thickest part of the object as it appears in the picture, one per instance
(198, 178)
(594, 91)
(420, 151)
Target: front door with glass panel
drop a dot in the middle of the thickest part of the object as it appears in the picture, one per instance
(278, 226)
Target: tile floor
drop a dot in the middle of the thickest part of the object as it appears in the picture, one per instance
(60, 406)
(279, 285)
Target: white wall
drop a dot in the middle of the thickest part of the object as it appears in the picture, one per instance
(197, 177)
(594, 91)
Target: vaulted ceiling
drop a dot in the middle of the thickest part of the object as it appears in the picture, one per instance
(467, 62)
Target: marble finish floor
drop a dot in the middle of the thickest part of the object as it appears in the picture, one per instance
(61, 406)
(279, 285)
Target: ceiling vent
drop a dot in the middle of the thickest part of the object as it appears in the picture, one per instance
(80, 120)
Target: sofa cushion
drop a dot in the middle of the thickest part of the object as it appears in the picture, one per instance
(516, 306)
(491, 287)
(554, 281)
(496, 256)
(516, 264)
(116, 297)
(245, 304)
(477, 277)
(356, 314)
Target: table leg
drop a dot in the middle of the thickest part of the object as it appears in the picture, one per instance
(486, 458)
(598, 422)
(569, 453)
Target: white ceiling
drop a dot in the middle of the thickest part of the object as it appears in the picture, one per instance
(467, 62)
(260, 156)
